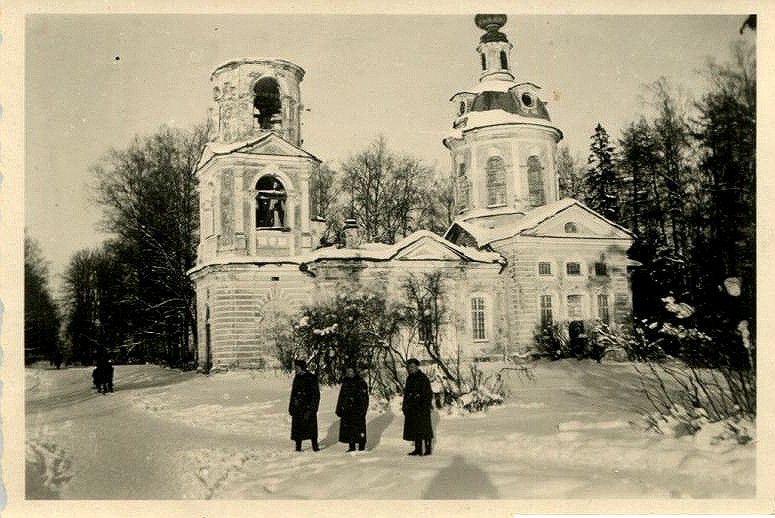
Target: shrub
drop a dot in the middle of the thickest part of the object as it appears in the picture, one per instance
(712, 378)
(479, 391)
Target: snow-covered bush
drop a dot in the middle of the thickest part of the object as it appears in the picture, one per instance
(576, 339)
(479, 391)
(357, 326)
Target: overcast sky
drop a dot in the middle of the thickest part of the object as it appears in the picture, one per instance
(95, 81)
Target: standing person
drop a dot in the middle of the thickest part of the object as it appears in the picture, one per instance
(417, 408)
(351, 407)
(303, 407)
(104, 376)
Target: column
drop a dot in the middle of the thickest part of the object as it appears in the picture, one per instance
(304, 186)
(239, 211)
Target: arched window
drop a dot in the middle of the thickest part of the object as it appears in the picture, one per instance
(535, 181)
(270, 203)
(571, 228)
(504, 60)
(484, 62)
(266, 102)
(496, 181)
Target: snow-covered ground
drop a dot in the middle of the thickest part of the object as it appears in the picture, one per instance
(170, 435)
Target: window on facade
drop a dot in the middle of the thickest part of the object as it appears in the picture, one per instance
(496, 181)
(461, 108)
(425, 328)
(270, 203)
(546, 310)
(461, 169)
(573, 268)
(544, 268)
(504, 60)
(571, 228)
(484, 63)
(478, 318)
(601, 269)
(603, 312)
(535, 181)
(575, 311)
(266, 102)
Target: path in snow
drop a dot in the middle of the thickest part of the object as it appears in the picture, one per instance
(165, 434)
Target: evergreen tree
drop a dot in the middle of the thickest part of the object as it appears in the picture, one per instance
(601, 183)
(570, 175)
(727, 134)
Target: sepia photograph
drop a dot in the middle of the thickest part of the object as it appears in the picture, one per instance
(358, 256)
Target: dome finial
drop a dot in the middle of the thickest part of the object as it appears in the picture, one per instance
(491, 23)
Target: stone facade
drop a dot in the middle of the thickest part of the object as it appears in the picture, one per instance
(515, 255)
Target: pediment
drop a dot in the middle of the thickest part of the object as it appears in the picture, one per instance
(427, 249)
(273, 145)
(588, 224)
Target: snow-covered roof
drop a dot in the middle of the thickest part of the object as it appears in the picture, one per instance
(367, 252)
(489, 85)
(383, 252)
(245, 259)
(475, 222)
(481, 119)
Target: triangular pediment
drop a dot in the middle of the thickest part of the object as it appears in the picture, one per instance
(577, 221)
(428, 249)
(273, 144)
(269, 143)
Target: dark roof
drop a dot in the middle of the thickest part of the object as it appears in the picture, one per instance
(507, 102)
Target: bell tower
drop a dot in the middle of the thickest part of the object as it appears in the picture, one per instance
(255, 95)
(253, 175)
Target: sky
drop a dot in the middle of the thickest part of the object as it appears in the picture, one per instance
(93, 82)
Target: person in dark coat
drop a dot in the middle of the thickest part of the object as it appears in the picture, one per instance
(416, 407)
(303, 406)
(351, 407)
(103, 376)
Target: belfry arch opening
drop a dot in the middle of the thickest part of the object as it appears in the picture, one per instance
(271, 201)
(266, 103)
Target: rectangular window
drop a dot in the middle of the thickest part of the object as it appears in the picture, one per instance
(544, 268)
(574, 307)
(546, 310)
(601, 269)
(602, 309)
(478, 318)
(573, 268)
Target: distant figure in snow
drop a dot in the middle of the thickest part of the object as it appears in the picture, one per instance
(103, 376)
(303, 406)
(418, 399)
(351, 407)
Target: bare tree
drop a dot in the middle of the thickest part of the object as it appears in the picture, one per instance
(387, 191)
(149, 200)
(41, 315)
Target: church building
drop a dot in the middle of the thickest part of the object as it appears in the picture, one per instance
(515, 258)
